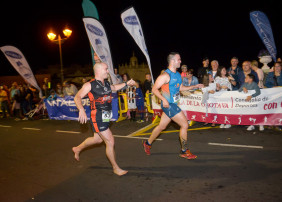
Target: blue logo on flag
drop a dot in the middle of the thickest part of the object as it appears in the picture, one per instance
(98, 41)
(102, 57)
(13, 54)
(132, 20)
(94, 30)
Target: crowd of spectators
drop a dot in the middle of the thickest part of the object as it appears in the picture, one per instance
(18, 100)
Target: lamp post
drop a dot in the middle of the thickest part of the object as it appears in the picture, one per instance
(60, 40)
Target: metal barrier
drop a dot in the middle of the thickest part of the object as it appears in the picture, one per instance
(121, 111)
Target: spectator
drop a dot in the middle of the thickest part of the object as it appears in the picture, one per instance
(52, 96)
(13, 91)
(204, 70)
(251, 85)
(47, 83)
(184, 69)
(274, 77)
(4, 102)
(22, 100)
(139, 101)
(214, 68)
(222, 79)
(223, 83)
(190, 80)
(131, 101)
(83, 81)
(234, 72)
(246, 70)
(69, 89)
(59, 90)
(117, 75)
(148, 83)
(45, 91)
(29, 96)
(209, 88)
(254, 66)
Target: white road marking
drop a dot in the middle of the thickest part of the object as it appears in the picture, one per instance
(142, 138)
(63, 131)
(236, 145)
(5, 126)
(31, 128)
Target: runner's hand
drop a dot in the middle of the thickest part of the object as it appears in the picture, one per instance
(200, 85)
(165, 104)
(131, 82)
(82, 118)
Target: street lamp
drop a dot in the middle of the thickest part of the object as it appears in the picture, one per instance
(60, 40)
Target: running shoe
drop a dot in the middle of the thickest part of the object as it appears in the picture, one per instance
(146, 148)
(187, 155)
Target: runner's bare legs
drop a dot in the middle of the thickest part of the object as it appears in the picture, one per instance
(182, 121)
(96, 139)
(165, 120)
(108, 138)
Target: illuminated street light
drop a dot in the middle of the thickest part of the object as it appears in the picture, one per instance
(60, 40)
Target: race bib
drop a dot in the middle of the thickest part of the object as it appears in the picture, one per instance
(176, 97)
(106, 116)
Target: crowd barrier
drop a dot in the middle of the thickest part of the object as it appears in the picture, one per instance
(230, 107)
(65, 108)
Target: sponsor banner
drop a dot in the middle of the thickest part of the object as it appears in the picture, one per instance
(99, 41)
(18, 61)
(65, 108)
(230, 107)
(132, 24)
(263, 27)
(90, 10)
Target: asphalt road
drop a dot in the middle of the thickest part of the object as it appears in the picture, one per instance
(37, 164)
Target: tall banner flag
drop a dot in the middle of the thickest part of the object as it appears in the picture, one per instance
(18, 61)
(131, 22)
(90, 10)
(99, 41)
(263, 27)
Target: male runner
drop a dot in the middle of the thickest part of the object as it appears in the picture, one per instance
(170, 83)
(99, 92)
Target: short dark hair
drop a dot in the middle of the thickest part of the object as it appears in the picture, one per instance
(234, 58)
(171, 55)
(251, 76)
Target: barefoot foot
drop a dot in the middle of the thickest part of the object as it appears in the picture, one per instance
(76, 153)
(120, 172)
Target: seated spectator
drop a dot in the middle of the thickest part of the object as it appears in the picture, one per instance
(274, 77)
(251, 85)
(190, 80)
(69, 89)
(254, 66)
(246, 70)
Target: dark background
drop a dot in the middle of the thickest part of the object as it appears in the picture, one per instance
(195, 29)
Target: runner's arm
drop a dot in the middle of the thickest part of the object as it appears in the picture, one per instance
(77, 99)
(183, 88)
(119, 86)
(161, 80)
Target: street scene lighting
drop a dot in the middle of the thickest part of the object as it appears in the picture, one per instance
(60, 40)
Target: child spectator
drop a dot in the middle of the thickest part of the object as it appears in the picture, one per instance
(223, 82)
(139, 101)
(251, 85)
(131, 100)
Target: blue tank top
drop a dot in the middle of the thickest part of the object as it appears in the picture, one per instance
(170, 90)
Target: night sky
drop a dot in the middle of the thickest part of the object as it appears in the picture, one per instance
(218, 30)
